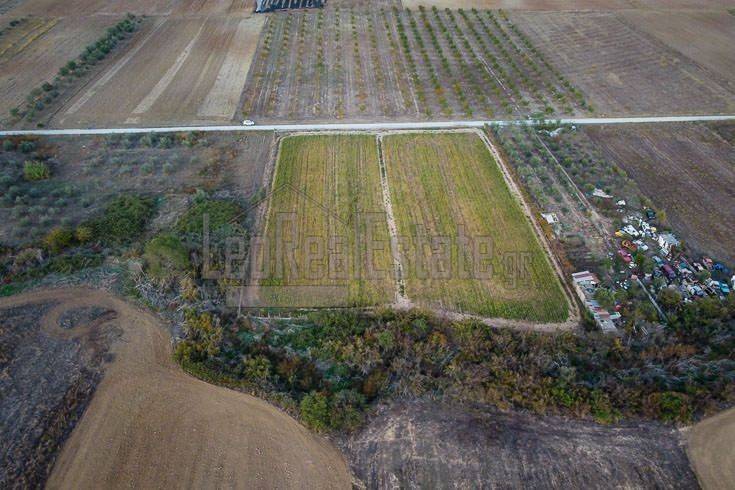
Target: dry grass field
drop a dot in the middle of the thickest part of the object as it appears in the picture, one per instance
(326, 217)
(398, 64)
(441, 182)
(705, 37)
(179, 69)
(147, 410)
(33, 51)
(623, 70)
(687, 170)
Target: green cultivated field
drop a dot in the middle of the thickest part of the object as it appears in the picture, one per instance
(440, 181)
(327, 198)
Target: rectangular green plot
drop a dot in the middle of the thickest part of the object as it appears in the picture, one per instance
(466, 244)
(326, 239)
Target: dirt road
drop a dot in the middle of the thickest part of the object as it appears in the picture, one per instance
(710, 450)
(149, 425)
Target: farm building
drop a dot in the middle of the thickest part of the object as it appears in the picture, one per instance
(262, 6)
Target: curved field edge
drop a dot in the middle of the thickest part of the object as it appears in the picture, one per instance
(208, 435)
(443, 181)
(709, 447)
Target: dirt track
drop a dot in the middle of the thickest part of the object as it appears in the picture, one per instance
(710, 451)
(151, 426)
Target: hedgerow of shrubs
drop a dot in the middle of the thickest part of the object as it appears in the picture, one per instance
(331, 366)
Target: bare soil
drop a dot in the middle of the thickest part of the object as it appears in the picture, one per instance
(688, 170)
(179, 69)
(705, 37)
(32, 53)
(710, 448)
(428, 444)
(573, 4)
(141, 7)
(146, 409)
(623, 70)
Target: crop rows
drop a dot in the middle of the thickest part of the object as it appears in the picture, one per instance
(325, 208)
(402, 63)
(468, 246)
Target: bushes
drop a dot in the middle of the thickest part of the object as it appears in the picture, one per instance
(123, 220)
(335, 362)
(58, 239)
(34, 170)
(314, 410)
(220, 214)
(166, 256)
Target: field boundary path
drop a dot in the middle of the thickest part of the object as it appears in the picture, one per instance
(368, 126)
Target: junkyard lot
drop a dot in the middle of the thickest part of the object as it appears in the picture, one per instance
(687, 170)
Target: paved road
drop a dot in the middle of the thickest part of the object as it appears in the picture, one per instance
(366, 126)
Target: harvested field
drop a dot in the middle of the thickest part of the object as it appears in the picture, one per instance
(81, 8)
(689, 171)
(710, 444)
(621, 69)
(326, 213)
(398, 64)
(422, 444)
(33, 51)
(468, 246)
(704, 37)
(87, 172)
(195, 432)
(180, 69)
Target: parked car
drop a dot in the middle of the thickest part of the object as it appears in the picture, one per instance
(627, 258)
(668, 272)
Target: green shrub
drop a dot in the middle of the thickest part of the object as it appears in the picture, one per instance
(58, 239)
(34, 170)
(27, 146)
(166, 256)
(124, 219)
(8, 145)
(220, 213)
(83, 233)
(314, 409)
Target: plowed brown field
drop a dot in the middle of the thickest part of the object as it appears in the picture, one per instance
(180, 69)
(149, 425)
(33, 52)
(623, 70)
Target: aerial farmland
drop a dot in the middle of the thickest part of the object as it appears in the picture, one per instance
(367, 243)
